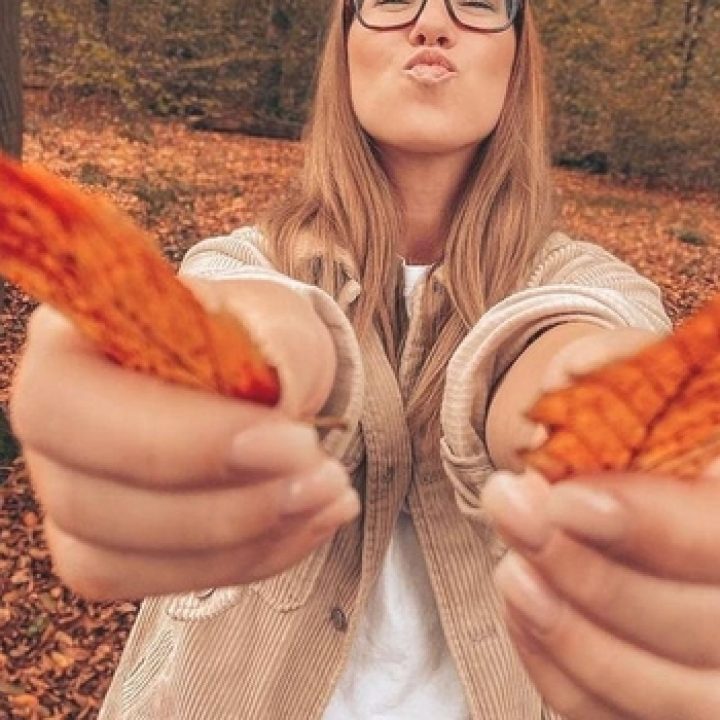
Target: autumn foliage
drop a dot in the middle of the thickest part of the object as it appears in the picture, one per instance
(58, 652)
(634, 84)
(657, 411)
(81, 255)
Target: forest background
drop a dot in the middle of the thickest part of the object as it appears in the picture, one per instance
(634, 82)
(186, 114)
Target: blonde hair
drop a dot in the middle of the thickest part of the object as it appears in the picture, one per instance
(343, 203)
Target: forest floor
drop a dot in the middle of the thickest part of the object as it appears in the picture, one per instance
(57, 652)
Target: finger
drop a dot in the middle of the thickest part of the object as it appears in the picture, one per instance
(621, 675)
(666, 527)
(516, 506)
(561, 692)
(94, 416)
(118, 516)
(102, 574)
(635, 606)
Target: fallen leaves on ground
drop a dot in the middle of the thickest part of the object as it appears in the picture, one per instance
(57, 652)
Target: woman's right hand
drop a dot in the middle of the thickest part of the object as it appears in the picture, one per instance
(149, 488)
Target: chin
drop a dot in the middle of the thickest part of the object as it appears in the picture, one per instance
(426, 143)
(432, 136)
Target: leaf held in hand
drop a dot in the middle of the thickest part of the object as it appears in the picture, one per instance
(80, 254)
(658, 411)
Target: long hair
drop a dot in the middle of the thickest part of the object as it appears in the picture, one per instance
(344, 204)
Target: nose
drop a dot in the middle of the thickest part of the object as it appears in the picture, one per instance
(435, 25)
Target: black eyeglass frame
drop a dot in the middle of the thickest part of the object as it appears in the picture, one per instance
(516, 5)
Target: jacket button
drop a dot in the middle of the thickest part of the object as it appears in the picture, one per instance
(338, 619)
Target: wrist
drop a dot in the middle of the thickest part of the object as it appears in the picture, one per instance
(507, 429)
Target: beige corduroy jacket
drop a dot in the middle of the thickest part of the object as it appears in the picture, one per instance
(273, 650)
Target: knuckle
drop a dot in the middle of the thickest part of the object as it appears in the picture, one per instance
(582, 573)
(707, 655)
(701, 701)
(155, 465)
(710, 706)
(571, 705)
(26, 398)
(321, 530)
(47, 326)
(40, 474)
(68, 515)
(75, 564)
(245, 521)
(153, 462)
(93, 587)
(53, 484)
(601, 584)
(21, 412)
(41, 321)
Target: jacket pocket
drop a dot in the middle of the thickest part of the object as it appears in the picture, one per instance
(284, 592)
(203, 604)
(291, 589)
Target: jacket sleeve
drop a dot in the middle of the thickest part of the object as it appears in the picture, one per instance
(239, 256)
(573, 282)
(548, 713)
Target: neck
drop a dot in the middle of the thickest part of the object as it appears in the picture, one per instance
(427, 185)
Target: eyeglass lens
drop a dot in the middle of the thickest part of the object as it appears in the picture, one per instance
(489, 15)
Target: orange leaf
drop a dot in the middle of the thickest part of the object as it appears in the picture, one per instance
(658, 411)
(79, 254)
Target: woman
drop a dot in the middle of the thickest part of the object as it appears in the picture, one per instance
(283, 583)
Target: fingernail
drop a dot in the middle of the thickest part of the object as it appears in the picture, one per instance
(588, 512)
(525, 591)
(348, 506)
(322, 487)
(518, 630)
(516, 504)
(342, 511)
(258, 447)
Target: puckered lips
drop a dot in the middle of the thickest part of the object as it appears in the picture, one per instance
(430, 67)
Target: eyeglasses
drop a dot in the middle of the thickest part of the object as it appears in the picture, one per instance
(481, 15)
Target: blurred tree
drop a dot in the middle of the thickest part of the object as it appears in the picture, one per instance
(102, 11)
(692, 29)
(635, 83)
(11, 121)
(11, 125)
(636, 86)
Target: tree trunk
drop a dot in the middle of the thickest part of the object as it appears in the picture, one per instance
(694, 19)
(11, 120)
(11, 125)
(102, 18)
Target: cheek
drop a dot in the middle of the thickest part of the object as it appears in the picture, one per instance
(366, 65)
(490, 82)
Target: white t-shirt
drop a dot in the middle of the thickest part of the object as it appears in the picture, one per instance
(400, 667)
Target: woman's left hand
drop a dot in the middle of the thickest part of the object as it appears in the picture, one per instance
(612, 591)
